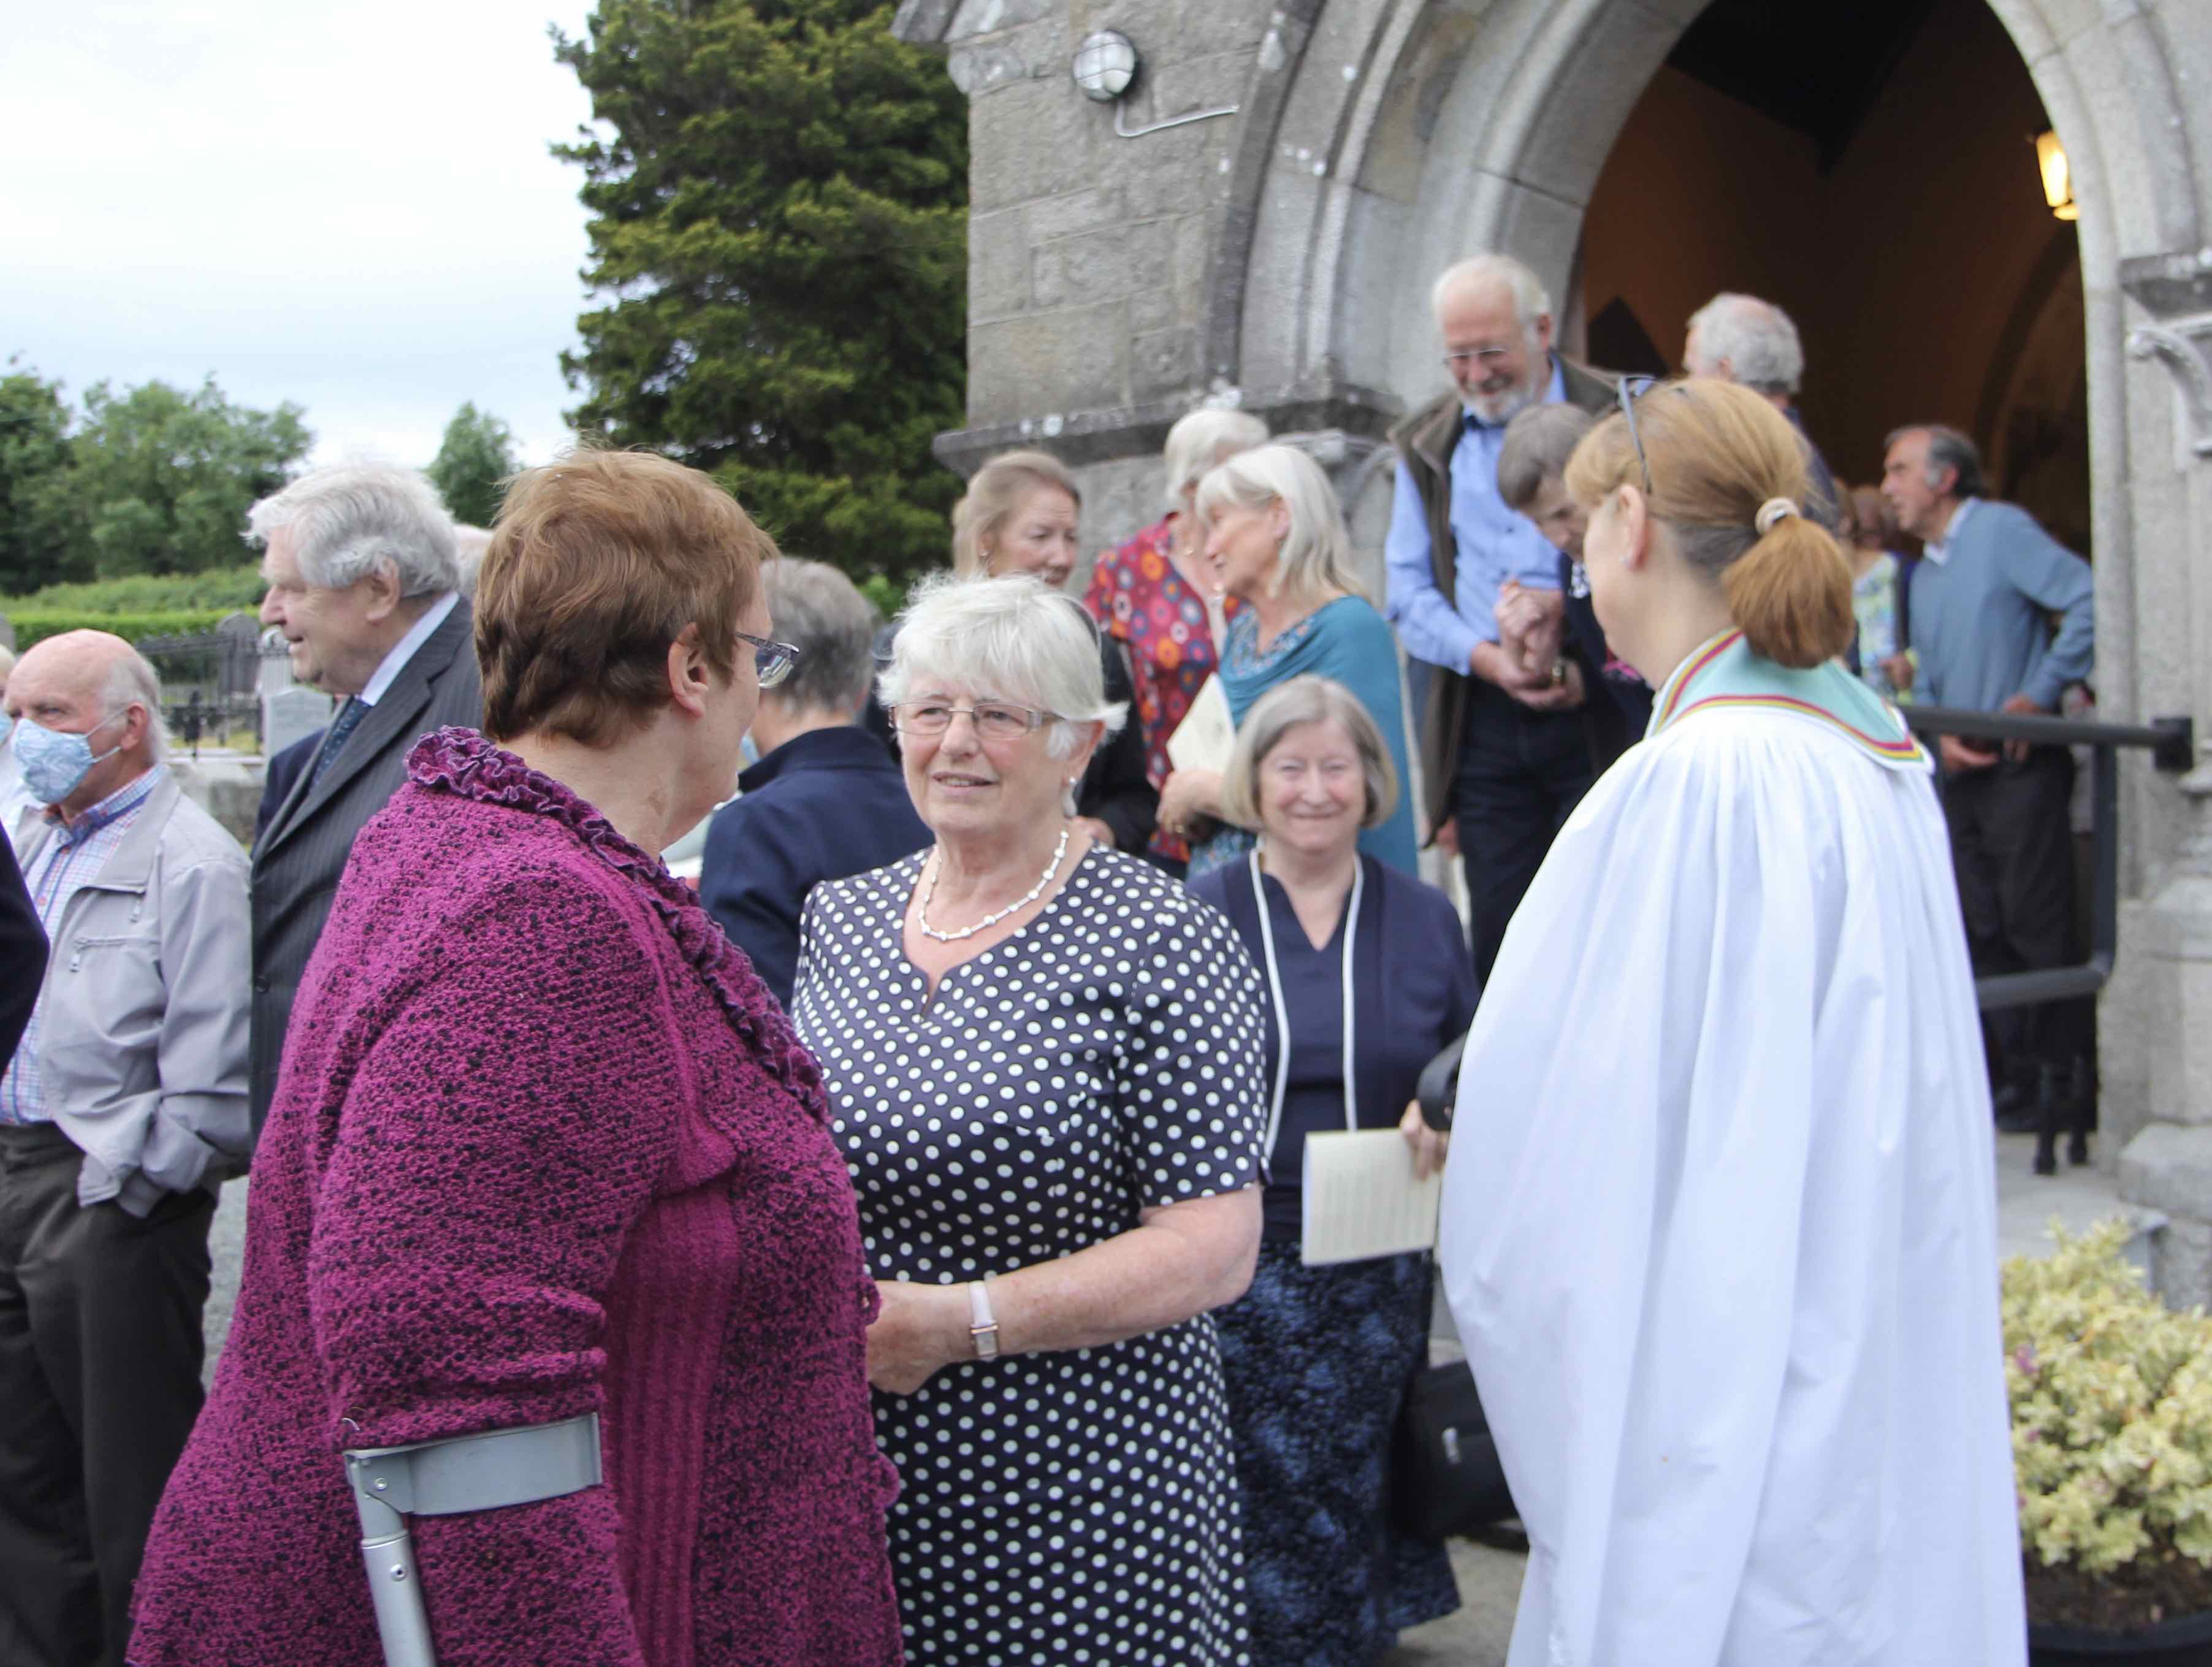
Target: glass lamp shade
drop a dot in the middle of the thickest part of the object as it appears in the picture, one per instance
(2057, 177)
(1105, 65)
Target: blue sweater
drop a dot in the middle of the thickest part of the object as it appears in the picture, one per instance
(1981, 616)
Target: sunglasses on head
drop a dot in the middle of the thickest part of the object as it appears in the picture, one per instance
(1630, 390)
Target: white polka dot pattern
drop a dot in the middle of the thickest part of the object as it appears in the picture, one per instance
(1081, 1507)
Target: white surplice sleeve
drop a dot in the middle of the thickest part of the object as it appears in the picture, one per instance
(1726, 1066)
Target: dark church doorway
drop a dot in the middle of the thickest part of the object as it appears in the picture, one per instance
(1877, 177)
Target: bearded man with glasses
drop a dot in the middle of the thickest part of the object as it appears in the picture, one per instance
(1504, 756)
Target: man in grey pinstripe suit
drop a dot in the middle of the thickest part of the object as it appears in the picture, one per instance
(364, 582)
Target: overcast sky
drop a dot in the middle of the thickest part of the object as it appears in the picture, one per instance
(347, 204)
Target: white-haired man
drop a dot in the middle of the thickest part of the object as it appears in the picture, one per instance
(1504, 747)
(364, 583)
(1754, 343)
(122, 1110)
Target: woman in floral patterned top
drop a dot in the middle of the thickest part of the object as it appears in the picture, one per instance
(1154, 597)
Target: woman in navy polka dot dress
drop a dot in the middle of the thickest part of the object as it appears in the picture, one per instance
(1043, 1060)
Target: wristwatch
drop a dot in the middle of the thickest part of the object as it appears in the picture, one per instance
(983, 1324)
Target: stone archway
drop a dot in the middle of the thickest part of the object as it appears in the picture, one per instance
(1280, 258)
(1470, 128)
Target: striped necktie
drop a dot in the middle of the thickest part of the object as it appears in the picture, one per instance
(348, 720)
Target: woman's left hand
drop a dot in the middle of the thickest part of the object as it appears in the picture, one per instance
(922, 1329)
(1429, 1145)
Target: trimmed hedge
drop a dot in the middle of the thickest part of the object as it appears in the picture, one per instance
(227, 588)
(131, 627)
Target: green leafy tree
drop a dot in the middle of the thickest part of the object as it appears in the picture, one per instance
(779, 230)
(474, 462)
(162, 478)
(35, 547)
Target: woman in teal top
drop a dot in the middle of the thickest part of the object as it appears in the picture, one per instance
(1276, 541)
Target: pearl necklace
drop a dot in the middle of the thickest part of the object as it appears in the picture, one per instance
(921, 912)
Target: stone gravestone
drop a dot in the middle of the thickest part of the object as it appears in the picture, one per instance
(6, 635)
(238, 655)
(290, 711)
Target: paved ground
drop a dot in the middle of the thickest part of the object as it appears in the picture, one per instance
(1489, 1586)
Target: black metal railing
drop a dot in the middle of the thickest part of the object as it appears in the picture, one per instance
(2171, 742)
(209, 680)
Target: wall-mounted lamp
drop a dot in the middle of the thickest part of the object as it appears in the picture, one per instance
(2058, 177)
(1106, 64)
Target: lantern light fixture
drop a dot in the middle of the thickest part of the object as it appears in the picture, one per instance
(1106, 65)
(2057, 177)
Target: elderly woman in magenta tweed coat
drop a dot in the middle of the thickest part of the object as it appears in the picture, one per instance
(544, 1145)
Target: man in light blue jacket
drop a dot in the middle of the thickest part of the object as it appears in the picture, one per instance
(1985, 599)
(123, 1108)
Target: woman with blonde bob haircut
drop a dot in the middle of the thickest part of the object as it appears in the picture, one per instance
(1719, 1235)
(1151, 596)
(543, 1148)
(1369, 977)
(1043, 1060)
(1276, 541)
(1019, 516)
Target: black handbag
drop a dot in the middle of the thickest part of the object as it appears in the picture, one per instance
(1445, 1475)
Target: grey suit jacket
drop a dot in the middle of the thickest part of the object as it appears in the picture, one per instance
(298, 860)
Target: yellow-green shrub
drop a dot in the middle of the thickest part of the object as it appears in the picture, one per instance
(2111, 1409)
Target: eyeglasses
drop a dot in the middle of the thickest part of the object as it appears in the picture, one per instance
(1481, 356)
(1631, 389)
(994, 720)
(772, 661)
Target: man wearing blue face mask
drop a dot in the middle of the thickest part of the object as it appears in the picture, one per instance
(15, 804)
(123, 1108)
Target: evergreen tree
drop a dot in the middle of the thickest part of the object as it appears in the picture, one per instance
(779, 232)
(474, 462)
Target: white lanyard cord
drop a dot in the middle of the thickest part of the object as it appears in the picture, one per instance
(1282, 1017)
(1350, 938)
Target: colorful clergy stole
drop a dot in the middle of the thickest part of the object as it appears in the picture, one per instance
(1725, 673)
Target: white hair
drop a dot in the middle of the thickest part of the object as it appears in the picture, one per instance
(346, 520)
(470, 544)
(1202, 441)
(1531, 300)
(131, 681)
(820, 612)
(1756, 338)
(1012, 638)
(1316, 554)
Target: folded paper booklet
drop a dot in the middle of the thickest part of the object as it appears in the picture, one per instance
(1206, 735)
(1362, 1199)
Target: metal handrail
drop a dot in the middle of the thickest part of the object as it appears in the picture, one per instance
(2171, 742)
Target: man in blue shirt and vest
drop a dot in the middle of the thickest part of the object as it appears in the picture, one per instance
(1504, 748)
(1984, 599)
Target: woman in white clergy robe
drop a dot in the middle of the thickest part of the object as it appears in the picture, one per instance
(1719, 1219)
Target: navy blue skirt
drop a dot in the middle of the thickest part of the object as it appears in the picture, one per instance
(1317, 1361)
